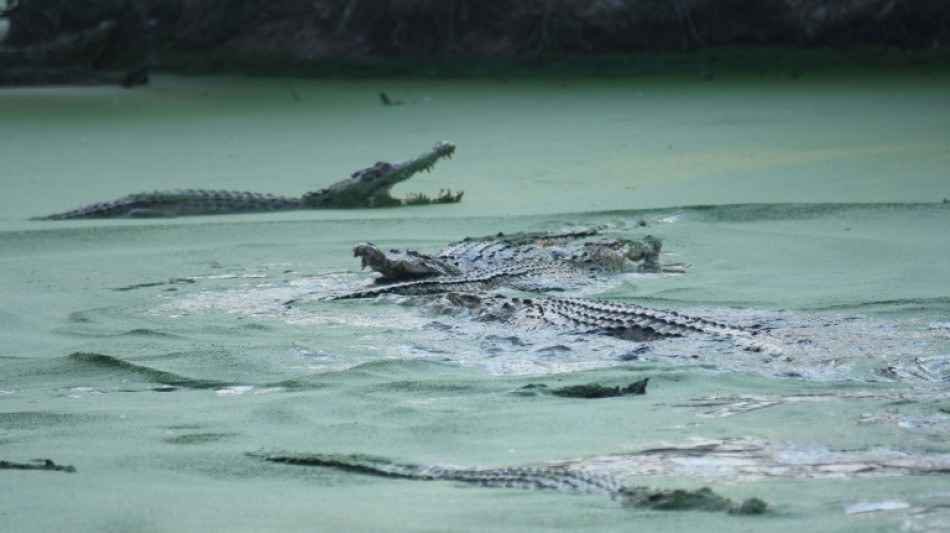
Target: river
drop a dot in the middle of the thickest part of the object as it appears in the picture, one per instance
(153, 355)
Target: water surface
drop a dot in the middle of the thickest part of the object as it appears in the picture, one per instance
(152, 355)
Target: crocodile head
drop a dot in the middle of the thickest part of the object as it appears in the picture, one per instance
(371, 186)
(398, 265)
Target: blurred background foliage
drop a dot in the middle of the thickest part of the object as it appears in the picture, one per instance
(212, 35)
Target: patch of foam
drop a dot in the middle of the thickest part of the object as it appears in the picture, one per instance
(750, 459)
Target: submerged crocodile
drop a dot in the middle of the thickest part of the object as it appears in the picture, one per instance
(530, 477)
(476, 256)
(483, 264)
(601, 317)
(369, 187)
(465, 272)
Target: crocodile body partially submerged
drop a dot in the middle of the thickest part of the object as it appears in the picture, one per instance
(600, 317)
(369, 187)
(531, 477)
(465, 272)
(479, 256)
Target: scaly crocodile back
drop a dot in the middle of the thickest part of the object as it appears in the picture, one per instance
(182, 202)
(479, 280)
(541, 477)
(475, 256)
(538, 478)
(604, 317)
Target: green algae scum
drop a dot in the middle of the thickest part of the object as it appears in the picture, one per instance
(196, 373)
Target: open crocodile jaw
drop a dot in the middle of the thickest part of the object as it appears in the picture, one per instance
(369, 187)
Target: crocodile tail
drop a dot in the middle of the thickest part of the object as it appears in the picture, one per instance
(629, 320)
(115, 208)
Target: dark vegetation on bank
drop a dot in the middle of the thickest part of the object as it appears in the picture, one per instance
(59, 40)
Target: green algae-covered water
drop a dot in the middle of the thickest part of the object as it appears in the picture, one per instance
(154, 355)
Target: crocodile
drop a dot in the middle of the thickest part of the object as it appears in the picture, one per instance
(480, 255)
(483, 264)
(588, 316)
(545, 477)
(464, 273)
(369, 187)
